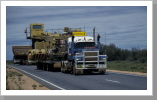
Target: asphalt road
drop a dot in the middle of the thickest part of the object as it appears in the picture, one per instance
(64, 81)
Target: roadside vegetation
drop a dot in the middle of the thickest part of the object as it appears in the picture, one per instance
(132, 66)
(9, 62)
(134, 60)
(13, 77)
(15, 80)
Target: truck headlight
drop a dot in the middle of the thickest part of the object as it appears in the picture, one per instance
(102, 58)
(102, 65)
(78, 59)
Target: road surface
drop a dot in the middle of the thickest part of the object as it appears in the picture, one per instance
(64, 81)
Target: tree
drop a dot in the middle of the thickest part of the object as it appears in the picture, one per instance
(115, 53)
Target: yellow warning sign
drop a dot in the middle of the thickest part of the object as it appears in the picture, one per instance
(79, 33)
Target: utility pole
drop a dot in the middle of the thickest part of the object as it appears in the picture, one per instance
(105, 41)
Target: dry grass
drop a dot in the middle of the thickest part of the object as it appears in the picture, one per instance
(127, 72)
(15, 80)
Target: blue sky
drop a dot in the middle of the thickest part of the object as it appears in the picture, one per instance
(126, 26)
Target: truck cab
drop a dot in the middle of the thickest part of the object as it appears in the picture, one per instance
(84, 56)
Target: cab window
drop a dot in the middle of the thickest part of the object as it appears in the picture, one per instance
(37, 27)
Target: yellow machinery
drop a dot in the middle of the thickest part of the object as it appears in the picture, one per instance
(48, 48)
(31, 60)
(20, 54)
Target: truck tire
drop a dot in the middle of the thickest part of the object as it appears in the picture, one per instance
(42, 66)
(62, 67)
(74, 71)
(102, 73)
(38, 65)
(20, 62)
(73, 67)
(47, 67)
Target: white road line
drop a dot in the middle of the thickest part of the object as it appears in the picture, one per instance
(40, 79)
(112, 81)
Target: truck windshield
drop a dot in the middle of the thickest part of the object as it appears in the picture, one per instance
(82, 45)
(37, 27)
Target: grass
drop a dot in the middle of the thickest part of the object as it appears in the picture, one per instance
(34, 86)
(20, 88)
(15, 80)
(8, 62)
(41, 85)
(12, 76)
(133, 66)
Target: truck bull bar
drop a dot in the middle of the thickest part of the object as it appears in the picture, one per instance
(90, 60)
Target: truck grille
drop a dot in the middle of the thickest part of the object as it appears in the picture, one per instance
(91, 53)
(91, 56)
(91, 59)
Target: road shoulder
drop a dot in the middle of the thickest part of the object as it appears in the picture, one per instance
(127, 72)
(19, 81)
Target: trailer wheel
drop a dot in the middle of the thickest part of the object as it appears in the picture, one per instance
(47, 67)
(38, 67)
(28, 63)
(62, 67)
(41, 66)
(21, 62)
(51, 67)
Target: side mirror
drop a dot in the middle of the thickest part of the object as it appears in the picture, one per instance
(25, 31)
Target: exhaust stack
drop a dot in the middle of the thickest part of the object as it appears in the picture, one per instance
(94, 34)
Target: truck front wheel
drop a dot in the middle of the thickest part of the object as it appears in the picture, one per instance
(74, 71)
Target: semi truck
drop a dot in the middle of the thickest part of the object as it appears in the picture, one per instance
(83, 56)
(20, 54)
(70, 51)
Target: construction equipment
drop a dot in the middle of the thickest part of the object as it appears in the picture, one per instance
(48, 48)
(20, 54)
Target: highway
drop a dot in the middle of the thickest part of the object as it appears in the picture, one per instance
(64, 81)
